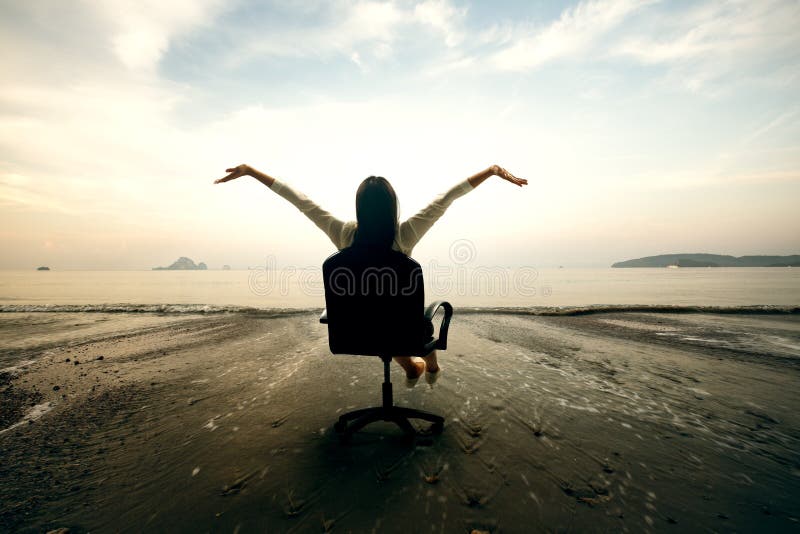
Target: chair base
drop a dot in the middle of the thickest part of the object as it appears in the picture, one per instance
(352, 422)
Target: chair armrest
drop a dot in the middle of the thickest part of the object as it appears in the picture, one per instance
(431, 310)
(323, 318)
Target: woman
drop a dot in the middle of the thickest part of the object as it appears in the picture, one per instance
(377, 225)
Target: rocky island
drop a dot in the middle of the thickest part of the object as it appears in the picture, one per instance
(183, 264)
(711, 260)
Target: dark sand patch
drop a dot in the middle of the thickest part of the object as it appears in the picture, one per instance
(553, 423)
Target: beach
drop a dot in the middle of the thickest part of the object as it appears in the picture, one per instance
(620, 420)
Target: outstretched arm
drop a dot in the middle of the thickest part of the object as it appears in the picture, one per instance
(333, 227)
(411, 231)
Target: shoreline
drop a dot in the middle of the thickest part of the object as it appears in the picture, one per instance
(222, 421)
(565, 310)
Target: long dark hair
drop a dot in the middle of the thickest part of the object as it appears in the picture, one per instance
(376, 213)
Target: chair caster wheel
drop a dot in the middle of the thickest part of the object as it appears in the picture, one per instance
(340, 426)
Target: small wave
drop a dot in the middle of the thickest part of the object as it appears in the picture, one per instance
(640, 308)
(167, 309)
(33, 414)
(176, 309)
(14, 369)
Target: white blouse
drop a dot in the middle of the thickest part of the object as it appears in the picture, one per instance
(342, 233)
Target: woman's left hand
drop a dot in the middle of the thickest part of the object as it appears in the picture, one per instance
(505, 175)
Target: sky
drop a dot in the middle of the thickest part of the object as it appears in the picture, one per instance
(643, 127)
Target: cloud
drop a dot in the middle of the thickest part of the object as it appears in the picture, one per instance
(573, 33)
(718, 28)
(365, 21)
(783, 119)
(717, 39)
(343, 32)
(356, 29)
(356, 58)
(141, 30)
(444, 17)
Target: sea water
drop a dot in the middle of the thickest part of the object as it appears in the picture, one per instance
(209, 291)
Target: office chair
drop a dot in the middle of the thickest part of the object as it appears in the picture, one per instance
(375, 307)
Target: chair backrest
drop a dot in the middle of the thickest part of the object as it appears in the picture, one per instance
(375, 302)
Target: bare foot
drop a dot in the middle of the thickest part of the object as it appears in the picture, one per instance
(417, 369)
(431, 364)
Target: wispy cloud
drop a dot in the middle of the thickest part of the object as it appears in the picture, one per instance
(716, 39)
(354, 31)
(359, 30)
(573, 33)
(782, 119)
(443, 17)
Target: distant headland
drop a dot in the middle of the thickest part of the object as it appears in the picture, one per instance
(183, 264)
(710, 260)
(43, 268)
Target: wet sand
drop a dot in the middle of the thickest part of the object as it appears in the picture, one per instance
(616, 421)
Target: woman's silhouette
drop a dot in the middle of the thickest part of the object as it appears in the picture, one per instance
(377, 225)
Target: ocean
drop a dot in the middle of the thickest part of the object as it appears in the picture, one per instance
(537, 289)
(54, 308)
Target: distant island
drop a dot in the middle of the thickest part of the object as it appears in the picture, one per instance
(183, 264)
(43, 268)
(711, 260)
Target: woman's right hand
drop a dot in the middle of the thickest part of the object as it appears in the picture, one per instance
(497, 170)
(235, 172)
